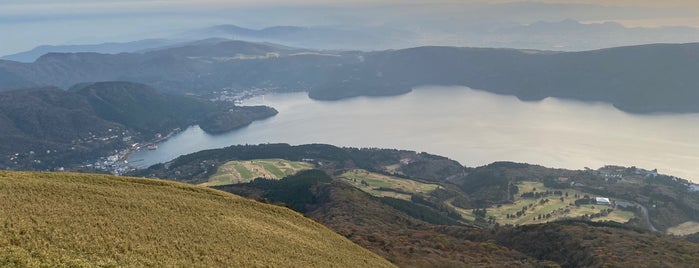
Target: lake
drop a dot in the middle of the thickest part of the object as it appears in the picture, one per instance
(470, 126)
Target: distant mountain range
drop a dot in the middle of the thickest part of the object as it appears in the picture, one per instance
(308, 37)
(199, 67)
(326, 38)
(640, 79)
(565, 35)
(106, 48)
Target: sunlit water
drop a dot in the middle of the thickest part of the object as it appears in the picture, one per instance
(470, 126)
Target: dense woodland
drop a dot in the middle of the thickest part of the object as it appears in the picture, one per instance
(46, 128)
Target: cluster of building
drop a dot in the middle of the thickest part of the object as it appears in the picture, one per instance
(116, 164)
(235, 95)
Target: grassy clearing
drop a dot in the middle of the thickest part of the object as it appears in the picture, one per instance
(686, 228)
(393, 169)
(245, 171)
(83, 220)
(242, 171)
(382, 185)
(555, 207)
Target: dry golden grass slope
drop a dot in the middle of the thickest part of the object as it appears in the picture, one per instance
(83, 220)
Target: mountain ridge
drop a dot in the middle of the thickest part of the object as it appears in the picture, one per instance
(106, 48)
(657, 78)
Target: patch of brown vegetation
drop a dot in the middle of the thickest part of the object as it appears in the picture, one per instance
(64, 219)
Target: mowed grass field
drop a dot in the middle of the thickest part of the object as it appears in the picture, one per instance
(245, 171)
(84, 220)
(685, 228)
(555, 207)
(380, 185)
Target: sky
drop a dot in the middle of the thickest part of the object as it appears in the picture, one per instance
(25, 24)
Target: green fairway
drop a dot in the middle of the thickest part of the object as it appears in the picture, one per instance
(246, 171)
(383, 185)
(557, 207)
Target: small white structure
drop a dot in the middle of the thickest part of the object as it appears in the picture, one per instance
(603, 201)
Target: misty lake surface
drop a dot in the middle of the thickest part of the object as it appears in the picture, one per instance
(470, 126)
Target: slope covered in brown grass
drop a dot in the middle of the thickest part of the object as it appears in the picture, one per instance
(63, 219)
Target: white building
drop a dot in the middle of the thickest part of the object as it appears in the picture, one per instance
(603, 201)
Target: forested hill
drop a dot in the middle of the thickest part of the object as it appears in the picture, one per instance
(639, 79)
(198, 67)
(50, 127)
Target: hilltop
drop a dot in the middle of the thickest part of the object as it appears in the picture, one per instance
(65, 219)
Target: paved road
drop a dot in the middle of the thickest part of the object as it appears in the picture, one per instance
(644, 212)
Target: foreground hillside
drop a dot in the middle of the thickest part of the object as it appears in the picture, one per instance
(62, 219)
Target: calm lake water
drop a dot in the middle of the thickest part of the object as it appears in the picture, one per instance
(470, 126)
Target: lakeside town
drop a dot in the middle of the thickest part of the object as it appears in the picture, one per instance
(118, 162)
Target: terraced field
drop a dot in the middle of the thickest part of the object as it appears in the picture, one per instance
(245, 171)
(382, 185)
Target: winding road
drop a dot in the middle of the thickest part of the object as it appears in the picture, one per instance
(644, 212)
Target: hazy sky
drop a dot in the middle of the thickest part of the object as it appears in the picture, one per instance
(25, 24)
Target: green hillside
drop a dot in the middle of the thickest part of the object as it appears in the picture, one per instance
(64, 219)
(143, 108)
(246, 171)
